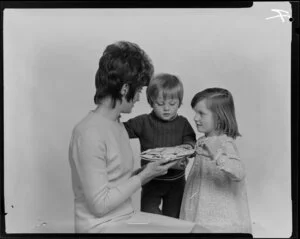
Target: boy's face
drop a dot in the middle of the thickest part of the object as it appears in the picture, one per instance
(166, 109)
(204, 119)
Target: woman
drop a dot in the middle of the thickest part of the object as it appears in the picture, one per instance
(101, 157)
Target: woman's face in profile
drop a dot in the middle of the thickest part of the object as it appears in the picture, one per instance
(128, 105)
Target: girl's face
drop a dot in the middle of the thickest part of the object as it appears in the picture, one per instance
(204, 119)
(166, 109)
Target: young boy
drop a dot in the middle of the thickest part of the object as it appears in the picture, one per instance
(163, 127)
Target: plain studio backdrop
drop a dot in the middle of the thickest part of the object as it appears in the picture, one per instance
(50, 60)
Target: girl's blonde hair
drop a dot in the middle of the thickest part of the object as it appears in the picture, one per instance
(220, 102)
(170, 85)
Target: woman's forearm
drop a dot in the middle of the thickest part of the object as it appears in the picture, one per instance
(108, 198)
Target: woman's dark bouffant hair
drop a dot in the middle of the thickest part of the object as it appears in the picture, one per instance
(122, 63)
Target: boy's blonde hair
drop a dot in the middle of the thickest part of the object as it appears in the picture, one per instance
(220, 102)
(170, 85)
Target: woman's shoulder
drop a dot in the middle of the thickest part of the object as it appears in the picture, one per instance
(91, 125)
(89, 131)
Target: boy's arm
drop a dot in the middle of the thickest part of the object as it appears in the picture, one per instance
(189, 136)
(188, 142)
(134, 127)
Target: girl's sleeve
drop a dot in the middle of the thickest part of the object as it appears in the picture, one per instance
(228, 160)
(134, 127)
(189, 136)
(89, 154)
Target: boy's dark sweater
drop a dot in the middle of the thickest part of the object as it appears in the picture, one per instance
(154, 132)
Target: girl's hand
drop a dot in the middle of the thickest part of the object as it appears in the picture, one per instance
(155, 169)
(189, 147)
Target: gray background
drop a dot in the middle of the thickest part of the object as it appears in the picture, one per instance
(50, 59)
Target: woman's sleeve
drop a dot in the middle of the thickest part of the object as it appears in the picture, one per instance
(134, 127)
(189, 136)
(89, 154)
(228, 160)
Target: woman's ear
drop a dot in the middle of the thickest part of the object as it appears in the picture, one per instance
(124, 89)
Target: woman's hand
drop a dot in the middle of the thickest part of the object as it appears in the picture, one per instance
(137, 171)
(155, 169)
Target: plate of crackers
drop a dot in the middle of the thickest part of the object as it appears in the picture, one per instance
(167, 153)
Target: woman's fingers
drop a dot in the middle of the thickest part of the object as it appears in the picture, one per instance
(160, 167)
(168, 165)
(162, 161)
(164, 172)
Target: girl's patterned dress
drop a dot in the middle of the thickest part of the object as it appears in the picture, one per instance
(215, 194)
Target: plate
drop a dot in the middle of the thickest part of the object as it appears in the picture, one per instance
(167, 153)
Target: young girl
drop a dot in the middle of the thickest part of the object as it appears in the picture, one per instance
(215, 193)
